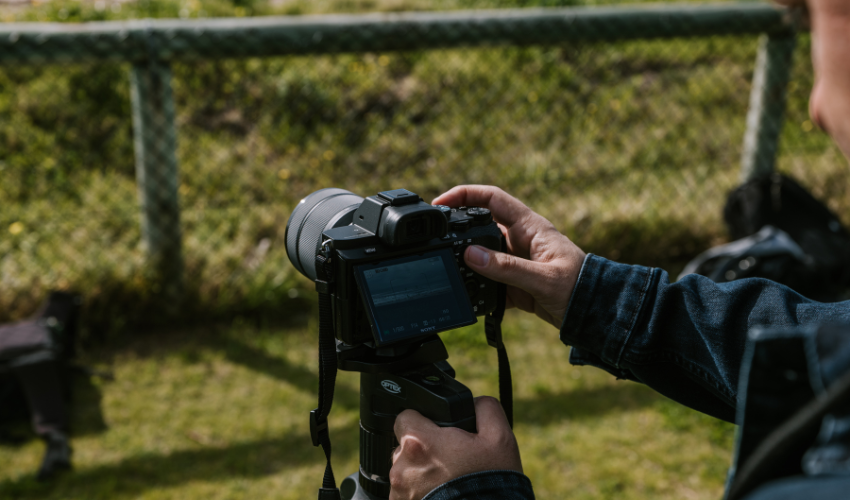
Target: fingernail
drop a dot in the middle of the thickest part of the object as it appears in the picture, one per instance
(477, 256)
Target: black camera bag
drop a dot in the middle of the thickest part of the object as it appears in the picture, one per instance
(779, 201)
(34, 381)
(784, 234)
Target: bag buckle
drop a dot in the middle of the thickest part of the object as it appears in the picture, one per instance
(323, 286)
(317, 428)
(493, 330)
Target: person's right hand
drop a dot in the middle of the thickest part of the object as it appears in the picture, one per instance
(542, 266)
(428, 456)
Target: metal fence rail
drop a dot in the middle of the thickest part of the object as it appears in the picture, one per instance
(253, 37)
(151, 45)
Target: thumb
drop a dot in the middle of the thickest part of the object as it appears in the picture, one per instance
(508, 269)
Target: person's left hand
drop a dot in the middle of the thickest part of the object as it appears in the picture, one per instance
(428, 455)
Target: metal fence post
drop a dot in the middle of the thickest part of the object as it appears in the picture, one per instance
(155, 143)
(767, 105)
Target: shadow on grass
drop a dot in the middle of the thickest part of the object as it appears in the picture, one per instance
(86, 408)
(654, 241)
(133, 476)
(583, 403)
(261, 361)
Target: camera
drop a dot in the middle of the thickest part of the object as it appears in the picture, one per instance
(398, 268)
(390, 275)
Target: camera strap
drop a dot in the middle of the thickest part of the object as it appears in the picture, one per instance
(493, 330)
(327, 375)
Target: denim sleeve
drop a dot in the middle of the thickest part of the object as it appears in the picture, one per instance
(684, 339)
(487, 485)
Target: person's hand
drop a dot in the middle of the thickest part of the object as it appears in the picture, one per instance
(428, 456)
(542, 266)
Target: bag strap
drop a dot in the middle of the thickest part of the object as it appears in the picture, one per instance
(327, 375)
(493, 330)
(781, 445)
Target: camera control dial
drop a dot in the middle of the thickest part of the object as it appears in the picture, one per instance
(479, 214)
(459, 225)
(447, 211)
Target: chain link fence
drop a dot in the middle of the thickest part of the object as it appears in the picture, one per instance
(152, 164)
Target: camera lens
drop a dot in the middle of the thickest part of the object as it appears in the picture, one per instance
(321, 210)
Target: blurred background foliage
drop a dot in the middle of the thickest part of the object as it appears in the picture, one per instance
(628, 147)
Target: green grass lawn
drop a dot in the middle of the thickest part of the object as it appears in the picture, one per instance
(221, 412)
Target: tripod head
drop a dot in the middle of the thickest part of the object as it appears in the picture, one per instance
(415, 377)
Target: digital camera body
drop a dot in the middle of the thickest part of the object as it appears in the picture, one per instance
(398, 271)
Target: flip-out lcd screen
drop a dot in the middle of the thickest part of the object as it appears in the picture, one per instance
(414, 296)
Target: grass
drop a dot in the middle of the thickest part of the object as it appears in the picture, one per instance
(221, 412)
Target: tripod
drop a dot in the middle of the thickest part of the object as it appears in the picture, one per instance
(415, 377)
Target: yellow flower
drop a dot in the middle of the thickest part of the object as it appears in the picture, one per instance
(16, 227)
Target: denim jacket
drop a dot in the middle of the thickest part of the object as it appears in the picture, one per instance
(685, 339)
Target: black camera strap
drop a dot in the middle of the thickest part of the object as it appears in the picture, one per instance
(327, 375)
(493, 330)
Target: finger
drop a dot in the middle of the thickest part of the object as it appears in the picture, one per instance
(396, 454)
(506, 209)
(490, 416)
(411, 422)
(508, 269)
(520, 299)
(510, 302)
(494, 429)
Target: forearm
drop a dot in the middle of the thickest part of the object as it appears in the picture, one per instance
(684, 339)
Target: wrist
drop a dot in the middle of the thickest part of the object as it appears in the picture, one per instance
(496, 483)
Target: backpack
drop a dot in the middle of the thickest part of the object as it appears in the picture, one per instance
(34, 381)
(784, 234)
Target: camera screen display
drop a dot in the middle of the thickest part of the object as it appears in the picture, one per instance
(414, 296)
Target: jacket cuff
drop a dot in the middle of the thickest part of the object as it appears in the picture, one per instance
(604, 308)
(486, 485)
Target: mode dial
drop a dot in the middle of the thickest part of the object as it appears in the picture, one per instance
(447, 211)
(479, 214)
